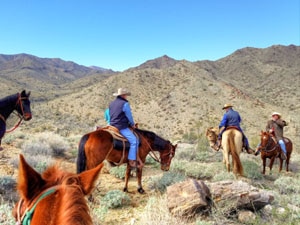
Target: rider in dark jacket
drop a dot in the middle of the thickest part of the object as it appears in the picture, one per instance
(121, 117)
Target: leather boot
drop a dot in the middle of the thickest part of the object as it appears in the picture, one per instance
(283, 155)
(249, 150)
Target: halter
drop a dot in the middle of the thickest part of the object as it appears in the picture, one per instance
(154, 156)
(21, 116)
(269, 143)
(25, 219)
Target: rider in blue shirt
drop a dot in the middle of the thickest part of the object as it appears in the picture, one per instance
(121, 117)
(231, 118)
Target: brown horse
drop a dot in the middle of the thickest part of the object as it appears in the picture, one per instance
(232, 143)
(54, 197)
(270, 149)
(97, 146)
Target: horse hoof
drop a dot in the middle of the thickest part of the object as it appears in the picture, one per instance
(125, 189)
(141, 190)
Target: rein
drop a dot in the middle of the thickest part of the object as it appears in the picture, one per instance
(269, 143)
(25, 219)
(19, 102)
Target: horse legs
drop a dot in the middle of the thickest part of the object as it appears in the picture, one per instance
(139, 177)
(280, 164)
(127, 175)
(264, 165)
(226, 161)
(287, 162)
(271, 163)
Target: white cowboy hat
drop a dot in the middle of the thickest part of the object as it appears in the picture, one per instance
(227, 105)
(122, 91)
(276, 113)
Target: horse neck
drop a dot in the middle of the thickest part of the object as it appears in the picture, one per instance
(8, 105)
(270, 143)
(72, 210)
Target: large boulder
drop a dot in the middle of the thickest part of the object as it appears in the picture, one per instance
(189, 197)
(241, 194)
(194, 196)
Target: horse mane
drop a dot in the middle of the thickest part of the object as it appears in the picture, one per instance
(72, 194)
(148, 134)
(158, 142)
(5, 100)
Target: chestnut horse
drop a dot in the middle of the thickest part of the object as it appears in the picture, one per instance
(97, 146)
(232, 143)
(18, 102)
(53, 197)
(212, 136)
(270, 149)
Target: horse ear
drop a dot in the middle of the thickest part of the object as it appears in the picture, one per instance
(88, 179)
(29, 181)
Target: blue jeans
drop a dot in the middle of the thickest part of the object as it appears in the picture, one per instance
(282, 145)
(134, 142)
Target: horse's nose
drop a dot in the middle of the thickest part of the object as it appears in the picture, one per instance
(27, 116)
(165, 167)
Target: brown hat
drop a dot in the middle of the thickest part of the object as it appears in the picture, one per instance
(227, 105)
(122, 91)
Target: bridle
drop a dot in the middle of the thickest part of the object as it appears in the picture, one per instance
(21, 116)
(19, 102)
(212, 136)
(269, 145)
(153, 155)
(25, 217)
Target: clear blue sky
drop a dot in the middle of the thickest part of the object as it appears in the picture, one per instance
(119, 34)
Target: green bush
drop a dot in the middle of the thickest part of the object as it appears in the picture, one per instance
(115, 199)
(168, 178)
(252, 170)
(5, 214)
(118, 171)
(7, 183)
(288, 185)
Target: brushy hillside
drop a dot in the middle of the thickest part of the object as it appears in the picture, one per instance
(179, 98)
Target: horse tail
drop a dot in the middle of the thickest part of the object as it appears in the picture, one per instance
(81, 158)
(237, 165)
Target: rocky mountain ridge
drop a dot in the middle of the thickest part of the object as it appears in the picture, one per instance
(177, 98)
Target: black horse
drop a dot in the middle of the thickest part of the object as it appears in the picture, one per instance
(19, 102)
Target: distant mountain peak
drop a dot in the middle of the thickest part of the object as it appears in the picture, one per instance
(158, 63)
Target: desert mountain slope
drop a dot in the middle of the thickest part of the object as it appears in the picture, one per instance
(177, 97)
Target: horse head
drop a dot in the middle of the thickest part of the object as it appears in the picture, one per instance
(212, 135)
(166, 156)
(40, 192)
(23, 105)
(265, 140)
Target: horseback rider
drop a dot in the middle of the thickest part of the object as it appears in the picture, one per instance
(231, 118)
(275, 126)
(121, 117)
